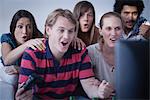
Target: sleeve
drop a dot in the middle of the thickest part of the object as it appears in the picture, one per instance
(91, 54)
(8, 39)
(86, 70)
(138, 24)
(5, 38)
(27, 65)
(139, 37)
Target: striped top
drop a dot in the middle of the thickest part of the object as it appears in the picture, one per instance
(61, 78)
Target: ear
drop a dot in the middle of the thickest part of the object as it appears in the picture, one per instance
(48, 30)
(100, 32)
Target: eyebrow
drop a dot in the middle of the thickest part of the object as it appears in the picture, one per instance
(61, 27)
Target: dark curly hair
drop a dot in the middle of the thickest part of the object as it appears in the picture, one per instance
(118, 6)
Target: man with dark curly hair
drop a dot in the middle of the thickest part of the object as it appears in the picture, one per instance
(135, 26)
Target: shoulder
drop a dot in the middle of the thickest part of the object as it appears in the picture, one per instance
(96, 35)
(139, 22)
(96, 28)
(96, 31)
(78, 52)
(93, 50)
(6, 36)
(32, 51)
(33, 55)
(93, 47)
(142, 19)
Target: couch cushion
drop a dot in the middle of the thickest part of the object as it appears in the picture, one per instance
(6, 91)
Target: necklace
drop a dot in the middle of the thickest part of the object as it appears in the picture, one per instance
(109, 59)
(113, 68)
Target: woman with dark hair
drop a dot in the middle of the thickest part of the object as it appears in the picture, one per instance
(84, 13)
(22, 28)
(25, 13)
(23, 31)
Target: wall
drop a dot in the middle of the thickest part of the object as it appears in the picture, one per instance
(41, 8)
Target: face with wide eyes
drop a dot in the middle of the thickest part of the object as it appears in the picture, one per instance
(86, 21)
(111, 30)
(61, 34)
(129, 15)
(23, 30)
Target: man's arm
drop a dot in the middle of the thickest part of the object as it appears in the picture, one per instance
(26, 69)
(97, 89)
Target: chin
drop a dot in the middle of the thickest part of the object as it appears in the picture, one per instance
(112, 46)
(129, 26)
(22, 42)
(85, 30)
(63, 50)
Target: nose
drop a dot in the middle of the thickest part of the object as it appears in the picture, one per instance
(130, 16)
(66, 35)
(85, 17)
(24, 30)
(113, 32)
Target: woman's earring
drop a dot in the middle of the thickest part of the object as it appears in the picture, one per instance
(101, 33)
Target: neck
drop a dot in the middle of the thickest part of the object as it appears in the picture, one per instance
(108, 50)
(84, 33)
(58, 55)
(127, 30)
(85, 37)
(108, 54)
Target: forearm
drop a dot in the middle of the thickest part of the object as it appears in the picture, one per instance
(90, 86)
(13, 55)
(96, 89)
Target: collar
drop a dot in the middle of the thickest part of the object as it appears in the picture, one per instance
(49, 54)
(125, 36)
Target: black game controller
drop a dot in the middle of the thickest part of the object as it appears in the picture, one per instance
(32, 80)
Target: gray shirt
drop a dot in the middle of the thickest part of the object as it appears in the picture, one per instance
(102, 69)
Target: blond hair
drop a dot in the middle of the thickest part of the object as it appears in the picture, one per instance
(52, 17)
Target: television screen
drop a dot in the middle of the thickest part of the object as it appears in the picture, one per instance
(132, 70)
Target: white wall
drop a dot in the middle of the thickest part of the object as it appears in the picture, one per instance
(146, 12)
(41, 8)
